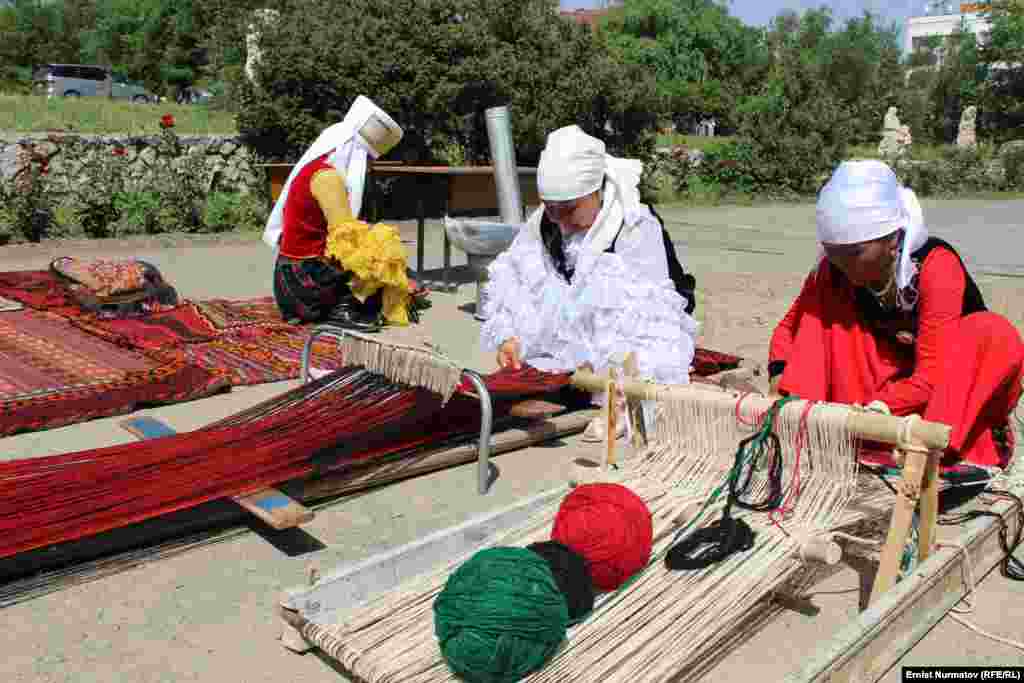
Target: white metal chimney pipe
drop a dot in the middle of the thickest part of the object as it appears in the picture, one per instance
(503, 158)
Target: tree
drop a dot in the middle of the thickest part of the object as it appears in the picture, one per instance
(956, 85)
(795, 128)
(703, 59)
(861, 65)
(1003, 93)
(436, 65)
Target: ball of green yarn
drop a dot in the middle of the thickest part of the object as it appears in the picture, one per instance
(500, 616)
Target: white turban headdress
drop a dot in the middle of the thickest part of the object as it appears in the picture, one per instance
(348, 145)
(863, 201)
(573, 165)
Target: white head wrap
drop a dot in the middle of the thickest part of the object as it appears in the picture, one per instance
(864, 201)
(348, 153)
(573, 165)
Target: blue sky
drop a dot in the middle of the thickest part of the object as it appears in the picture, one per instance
(759, 12)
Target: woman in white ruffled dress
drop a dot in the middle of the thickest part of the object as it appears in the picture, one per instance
(592, 275)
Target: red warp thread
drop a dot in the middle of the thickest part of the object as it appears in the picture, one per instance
(49, 500)
(610, 526)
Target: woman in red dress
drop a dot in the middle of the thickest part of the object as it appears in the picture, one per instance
(890, 319)
(329, 264)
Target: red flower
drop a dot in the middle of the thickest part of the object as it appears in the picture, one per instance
(167, 121)
(119, 151)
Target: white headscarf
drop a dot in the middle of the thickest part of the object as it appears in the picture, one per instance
(863, 201)
(348, 153)
(574, 164)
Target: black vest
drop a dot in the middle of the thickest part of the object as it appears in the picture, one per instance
(885, 320)
(685, 283)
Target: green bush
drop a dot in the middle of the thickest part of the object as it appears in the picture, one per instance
(226, 211)
(140, 212)
(97, 191)
(1013, 166)
(28, 204)
(179, 178)
(436, 66)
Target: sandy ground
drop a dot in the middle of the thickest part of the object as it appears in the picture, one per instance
(207, 614)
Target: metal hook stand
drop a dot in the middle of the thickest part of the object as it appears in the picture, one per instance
(483, 446)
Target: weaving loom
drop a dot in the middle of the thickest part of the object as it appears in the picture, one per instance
(680, 477)
(339, 429)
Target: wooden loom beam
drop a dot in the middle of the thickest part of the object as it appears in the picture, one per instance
(932, 436)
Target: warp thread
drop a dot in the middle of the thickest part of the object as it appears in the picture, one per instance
(727, 536)
(401, 363)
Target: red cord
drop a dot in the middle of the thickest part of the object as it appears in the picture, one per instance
(794, 488)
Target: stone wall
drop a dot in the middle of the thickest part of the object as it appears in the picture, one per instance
(228, 165)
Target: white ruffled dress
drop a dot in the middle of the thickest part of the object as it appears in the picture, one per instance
(617, 303)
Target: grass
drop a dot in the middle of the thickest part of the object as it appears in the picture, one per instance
(35, 114)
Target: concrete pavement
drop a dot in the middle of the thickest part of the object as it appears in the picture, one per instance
(207, 614)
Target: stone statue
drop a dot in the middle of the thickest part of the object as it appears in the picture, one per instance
(896, 137)
(261, 18)
(967, 136)
(892, 121)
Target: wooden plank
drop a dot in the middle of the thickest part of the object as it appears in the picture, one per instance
(533, 409)
(269, 505)
(869, 646)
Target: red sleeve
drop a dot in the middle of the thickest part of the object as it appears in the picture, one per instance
(785, 332)
(940, 287)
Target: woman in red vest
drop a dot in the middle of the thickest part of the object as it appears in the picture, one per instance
(329, 265)
(891, 320)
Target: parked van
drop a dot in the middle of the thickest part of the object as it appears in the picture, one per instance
(86, 80)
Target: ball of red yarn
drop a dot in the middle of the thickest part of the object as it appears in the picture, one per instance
(610, 526)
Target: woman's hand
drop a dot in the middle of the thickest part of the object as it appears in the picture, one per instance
(508, 354)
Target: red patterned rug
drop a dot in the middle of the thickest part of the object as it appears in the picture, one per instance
(39, 289)
(257, 355)
(172, 329)
(54, 374)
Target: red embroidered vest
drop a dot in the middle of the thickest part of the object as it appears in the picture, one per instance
(305, 227)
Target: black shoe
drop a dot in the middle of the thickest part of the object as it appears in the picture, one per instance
(350, 315)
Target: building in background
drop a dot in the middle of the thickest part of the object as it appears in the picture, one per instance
(942, 19)
(591, 17)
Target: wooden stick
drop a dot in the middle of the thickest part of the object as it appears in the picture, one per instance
(899, 528)
(869, 426)
(634, 409)
(611, 414)
(929, 507)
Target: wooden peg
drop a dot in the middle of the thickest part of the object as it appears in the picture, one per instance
(611, 417)
(634, 407)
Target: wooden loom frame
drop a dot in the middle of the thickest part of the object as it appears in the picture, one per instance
(918, 486)
(897, 617)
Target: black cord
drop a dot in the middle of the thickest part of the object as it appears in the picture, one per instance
(718, 541)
